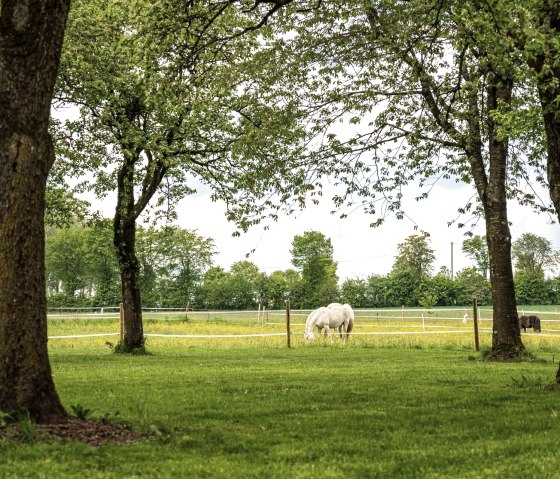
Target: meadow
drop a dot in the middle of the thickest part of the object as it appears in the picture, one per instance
(381, 406)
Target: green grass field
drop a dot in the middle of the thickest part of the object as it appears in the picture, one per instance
(379, 407)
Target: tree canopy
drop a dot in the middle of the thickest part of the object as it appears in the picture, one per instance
(434, 93)
(534, 254)
(312, 254)
(169, 92)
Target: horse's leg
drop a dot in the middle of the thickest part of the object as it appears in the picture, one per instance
(342, 330)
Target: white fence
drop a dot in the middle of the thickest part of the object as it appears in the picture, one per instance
(368, 322)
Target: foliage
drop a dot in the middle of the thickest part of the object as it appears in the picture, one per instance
(354, 292)
(62, 208)
(376, 290)
(283, 285)
(176, 272)
(472, 284)
(534, 254)
(160, 105)
(476, 248)
(173, 263)
(402, 288)
(532, 288)
(416, 256)
(440, 290)
(312, 254)
(81, 411)
(82, 269)
(238, 288)
(413, 265)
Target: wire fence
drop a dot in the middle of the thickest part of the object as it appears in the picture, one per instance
(410, 326)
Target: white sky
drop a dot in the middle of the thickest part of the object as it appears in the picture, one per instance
(358, 249)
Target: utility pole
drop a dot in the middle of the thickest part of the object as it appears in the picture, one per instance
(452, 260)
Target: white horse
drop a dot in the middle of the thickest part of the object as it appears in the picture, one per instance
(335, 315)
(349, 312)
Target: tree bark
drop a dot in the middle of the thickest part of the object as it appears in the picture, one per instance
(124, 230)
(549, 92)
(552, 128)
(31, 35)
(506, 336)
(548, 75)
(133, 338)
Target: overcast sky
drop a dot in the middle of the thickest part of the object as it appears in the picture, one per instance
(358, 249)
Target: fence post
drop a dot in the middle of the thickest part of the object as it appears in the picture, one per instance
(187, 312)
(121, 333)
(288, 332)
(402, 314)
(475, 322)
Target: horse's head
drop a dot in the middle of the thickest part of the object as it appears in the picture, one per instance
(308, 335)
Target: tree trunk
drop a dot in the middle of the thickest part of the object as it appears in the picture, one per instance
(548, 76)
(133, 337)
(31, 34)
(552, 127)
(124, 239)
(491, 188)
(551, 118)
(506, 336)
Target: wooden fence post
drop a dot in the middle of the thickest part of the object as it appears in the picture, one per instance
(288, 331)
(475, 322)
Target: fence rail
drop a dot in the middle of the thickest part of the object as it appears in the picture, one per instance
(264, 325)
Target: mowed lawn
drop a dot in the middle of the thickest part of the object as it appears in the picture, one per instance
(318, 411)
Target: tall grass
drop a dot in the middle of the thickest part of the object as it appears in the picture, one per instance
(397, 328)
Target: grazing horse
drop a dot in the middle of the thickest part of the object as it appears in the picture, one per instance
(349, 312)
(530, 322)
(334, 316)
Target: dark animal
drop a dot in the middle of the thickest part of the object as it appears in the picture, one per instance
(530, 322)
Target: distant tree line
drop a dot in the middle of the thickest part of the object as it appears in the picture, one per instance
(177, 270)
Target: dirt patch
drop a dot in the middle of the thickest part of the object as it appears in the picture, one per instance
(88, 431)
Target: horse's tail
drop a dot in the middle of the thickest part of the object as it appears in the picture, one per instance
(350, 326)
(350, 313)
(537, 324)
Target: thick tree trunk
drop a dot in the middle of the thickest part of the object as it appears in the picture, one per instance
(491, 188)
(31, 34)
(506, 336)
(553, 170)
(548, 75)
(551, 118)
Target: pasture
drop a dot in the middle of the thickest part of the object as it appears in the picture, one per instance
(403, 406)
